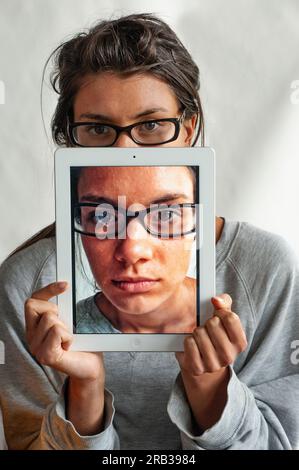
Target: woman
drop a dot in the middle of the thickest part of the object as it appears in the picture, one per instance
(141, 270)
(234, 386)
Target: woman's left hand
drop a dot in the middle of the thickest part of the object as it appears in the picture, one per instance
(216, 344)
(207, 353)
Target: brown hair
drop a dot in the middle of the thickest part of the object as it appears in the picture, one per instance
(136, 43)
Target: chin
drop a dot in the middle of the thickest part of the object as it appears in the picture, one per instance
(139, 305)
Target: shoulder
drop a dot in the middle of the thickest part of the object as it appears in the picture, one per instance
(259, 249)
(89, 319)
(84, 308)
(265, 265)
(25, 268)
(260, 271)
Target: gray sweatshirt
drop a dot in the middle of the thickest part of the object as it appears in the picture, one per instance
(145, 402)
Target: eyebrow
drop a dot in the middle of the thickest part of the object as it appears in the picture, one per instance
(170, 197)
(102, 117)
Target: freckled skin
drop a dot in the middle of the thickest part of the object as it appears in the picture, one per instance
(171, 303)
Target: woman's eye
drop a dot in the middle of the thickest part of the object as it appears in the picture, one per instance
(98, 130)
(150, 126)
(167, 215)
(103, 217)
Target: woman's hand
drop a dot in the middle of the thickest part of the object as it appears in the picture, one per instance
(49, 342)
(216, 344)
(49, 339)
(207, 353)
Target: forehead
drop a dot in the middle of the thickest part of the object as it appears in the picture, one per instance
(140, 184)
(116, 95)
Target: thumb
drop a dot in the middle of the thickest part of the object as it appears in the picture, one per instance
(223, 301)
(51, 290)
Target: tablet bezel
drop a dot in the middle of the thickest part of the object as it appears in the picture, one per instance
(65, 158)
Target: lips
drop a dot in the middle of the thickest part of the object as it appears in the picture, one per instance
(135, 285)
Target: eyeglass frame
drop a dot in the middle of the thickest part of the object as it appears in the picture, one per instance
(119, 129)
(134, 215)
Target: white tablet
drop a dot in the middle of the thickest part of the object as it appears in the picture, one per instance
(135, 235)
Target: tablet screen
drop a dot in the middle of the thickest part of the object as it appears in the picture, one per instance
(135, 249)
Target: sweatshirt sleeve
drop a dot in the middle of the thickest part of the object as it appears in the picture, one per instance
(32, 396)
(57, 433)
(3, 445)
(262, 408)
(252, 419)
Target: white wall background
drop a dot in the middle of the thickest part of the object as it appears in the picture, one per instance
(247, 51)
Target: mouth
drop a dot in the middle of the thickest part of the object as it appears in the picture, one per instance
(135, 285)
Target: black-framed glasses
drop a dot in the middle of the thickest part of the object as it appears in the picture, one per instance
(153, 132)
(106, 221)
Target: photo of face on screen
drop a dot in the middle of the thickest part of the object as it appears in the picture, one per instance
(135, 249)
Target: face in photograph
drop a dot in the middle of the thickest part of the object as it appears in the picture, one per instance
(142, 277)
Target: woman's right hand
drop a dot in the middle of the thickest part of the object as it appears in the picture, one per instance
(49, 340)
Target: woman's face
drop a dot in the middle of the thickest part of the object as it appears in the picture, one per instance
(140, 272)
(111, 99)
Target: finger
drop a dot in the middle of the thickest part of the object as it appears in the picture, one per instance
(190, 360)
(47, 320)
(193, 361)
(51, 290)
(66, 337)
(234, 329)
(225, 350)
(223, 301)
(34, 309)
(51, 352)
(207, 351)
(38, 304)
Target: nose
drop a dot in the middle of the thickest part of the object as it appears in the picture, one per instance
(137, 246)
(124, 140)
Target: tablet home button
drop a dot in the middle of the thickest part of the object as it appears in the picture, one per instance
(136, 343)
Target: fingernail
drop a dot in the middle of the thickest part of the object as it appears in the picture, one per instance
(61, 284)
(219, 299)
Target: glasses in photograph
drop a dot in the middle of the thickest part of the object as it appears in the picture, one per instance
(163, 221)
(153, 132)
